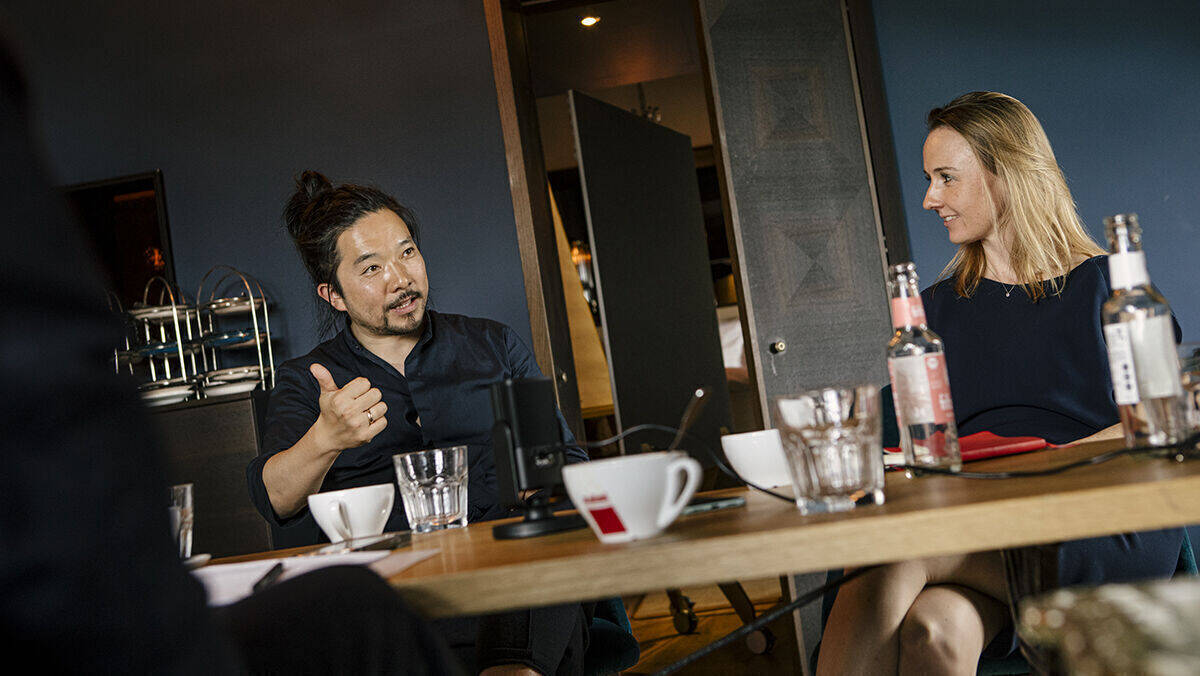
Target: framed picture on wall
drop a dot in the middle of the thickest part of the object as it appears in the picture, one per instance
(125, 219)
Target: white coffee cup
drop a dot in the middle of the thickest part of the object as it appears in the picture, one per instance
(632, 497)
(353, 512)
(758, 457)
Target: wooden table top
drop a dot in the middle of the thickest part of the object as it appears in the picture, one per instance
(473, 573)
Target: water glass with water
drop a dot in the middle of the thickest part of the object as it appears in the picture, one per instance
(832, 441)
(433, 486)
(182, 519)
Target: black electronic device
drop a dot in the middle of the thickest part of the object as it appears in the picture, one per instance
(530, 453)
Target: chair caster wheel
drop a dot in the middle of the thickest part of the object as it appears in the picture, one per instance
(684, 618)
(761, 642)
(685, 622)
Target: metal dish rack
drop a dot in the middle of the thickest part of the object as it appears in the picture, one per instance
(234, 293)
(164, 339)
(175, 346)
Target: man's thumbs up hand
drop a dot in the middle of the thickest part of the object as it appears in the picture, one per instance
(324, 378)
(350, 416)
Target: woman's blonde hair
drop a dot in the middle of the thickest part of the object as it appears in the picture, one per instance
(1038, 218)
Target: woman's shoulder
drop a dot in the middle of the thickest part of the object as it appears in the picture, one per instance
(939, 292)
(1091, 274)
(1094, 266)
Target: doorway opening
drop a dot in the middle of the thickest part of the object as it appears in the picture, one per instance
(643, 57)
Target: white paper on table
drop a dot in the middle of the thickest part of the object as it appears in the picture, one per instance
(228, 583)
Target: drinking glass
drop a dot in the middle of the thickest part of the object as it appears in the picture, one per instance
(182, 519)
(433, 486)
(831, 438)
(1189, 367)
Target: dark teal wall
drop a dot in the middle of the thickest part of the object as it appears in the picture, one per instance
(231, 99)
(1115, 84)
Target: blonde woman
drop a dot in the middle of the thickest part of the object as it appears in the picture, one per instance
(1019, 310)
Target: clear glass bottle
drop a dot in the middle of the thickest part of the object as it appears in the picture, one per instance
(1141, 343)
(920, 382)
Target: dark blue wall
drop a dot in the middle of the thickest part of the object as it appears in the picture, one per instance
(1116, 85)
(232, 99)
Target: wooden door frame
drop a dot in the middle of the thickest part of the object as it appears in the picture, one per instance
(531, 205)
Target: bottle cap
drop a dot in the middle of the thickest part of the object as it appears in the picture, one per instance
(1124, 233)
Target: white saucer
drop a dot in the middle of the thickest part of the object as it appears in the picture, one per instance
(234, 373)
(165, 400)
(230, 388)
(166, 392)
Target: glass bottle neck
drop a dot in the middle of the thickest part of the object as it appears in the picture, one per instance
(1127, 270)
(905, 299)
(1126, 261)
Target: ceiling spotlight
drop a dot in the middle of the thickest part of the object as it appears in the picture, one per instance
(589, 21)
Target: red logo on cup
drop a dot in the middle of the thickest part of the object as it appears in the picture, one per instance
(604, 515)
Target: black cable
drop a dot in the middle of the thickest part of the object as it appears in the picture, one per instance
(703, 446)
(636, 428)
(763, 620)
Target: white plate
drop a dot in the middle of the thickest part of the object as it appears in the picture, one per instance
(232, 306)
(165, 400)
(167, 392)
(161, 313)
(234, 374)
(230, 388)
(158, 384)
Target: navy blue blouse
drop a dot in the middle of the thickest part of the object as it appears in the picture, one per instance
(1024, 368)
(445, 387)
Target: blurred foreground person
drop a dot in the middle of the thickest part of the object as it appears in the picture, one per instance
(89, 577)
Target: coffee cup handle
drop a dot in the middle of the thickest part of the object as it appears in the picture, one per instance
(341, 520)
(673, 505)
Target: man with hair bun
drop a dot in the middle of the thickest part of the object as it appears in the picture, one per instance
(397, 377)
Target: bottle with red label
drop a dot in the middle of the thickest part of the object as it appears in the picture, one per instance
(920, 383)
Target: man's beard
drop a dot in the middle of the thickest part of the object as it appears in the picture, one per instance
(413, 322)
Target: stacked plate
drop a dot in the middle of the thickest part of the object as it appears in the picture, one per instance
(232, 339)
(165, 348)
(170, 391)
(232, 380)
(232, 306)
(160, 314)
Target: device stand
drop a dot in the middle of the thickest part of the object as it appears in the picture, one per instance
(539, 520)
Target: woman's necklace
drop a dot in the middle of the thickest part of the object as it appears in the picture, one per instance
(1008, 289)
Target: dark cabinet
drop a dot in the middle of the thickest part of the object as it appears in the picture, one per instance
(208, 443)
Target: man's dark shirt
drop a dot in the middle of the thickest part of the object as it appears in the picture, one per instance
(444, 387)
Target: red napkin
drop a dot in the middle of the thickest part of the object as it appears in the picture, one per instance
(983, 445)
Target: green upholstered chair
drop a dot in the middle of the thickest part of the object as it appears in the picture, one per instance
(612, 647)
